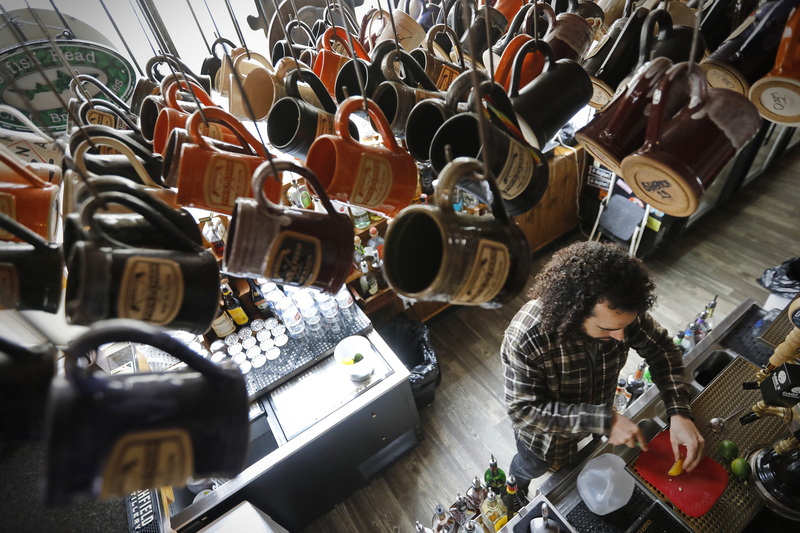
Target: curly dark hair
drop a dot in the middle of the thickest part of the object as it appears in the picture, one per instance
(583, 274)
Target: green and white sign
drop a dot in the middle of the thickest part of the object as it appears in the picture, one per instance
(21, 80)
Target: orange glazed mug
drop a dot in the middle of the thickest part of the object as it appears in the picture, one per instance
(27, 199)
(211, 178)
(382, 179)
(328, 63)
(777, 95)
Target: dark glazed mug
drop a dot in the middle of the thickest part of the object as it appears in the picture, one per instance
(31, 271)
(462, 259)
(25, 375)
(287, 245)
(682, 156)
(176, 288)
(112, 435)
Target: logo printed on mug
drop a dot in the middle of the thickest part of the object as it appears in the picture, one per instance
(517, 171)
(487, 275)
(226, 179)
(211, 130)
(446, 76)
(373, 181)
(8, 206)
(9, 286)
(325, 125)
(94, 116)
(781, 101)
(151, 290)
(297, 259)
(157, 458)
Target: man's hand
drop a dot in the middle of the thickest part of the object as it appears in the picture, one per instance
(683, 432)
(625, 431)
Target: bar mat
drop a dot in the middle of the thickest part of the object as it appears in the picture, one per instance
(583, 520)
(743, 339)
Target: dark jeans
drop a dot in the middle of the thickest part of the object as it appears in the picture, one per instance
(526, 466)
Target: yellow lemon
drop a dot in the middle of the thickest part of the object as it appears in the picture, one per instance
(676, 469)
(348, 361)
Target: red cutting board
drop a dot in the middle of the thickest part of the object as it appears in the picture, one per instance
(695, 492)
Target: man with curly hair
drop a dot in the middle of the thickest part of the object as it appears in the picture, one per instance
(564, 350)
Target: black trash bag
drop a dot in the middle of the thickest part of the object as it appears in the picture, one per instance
(783, 280)
(411, 342)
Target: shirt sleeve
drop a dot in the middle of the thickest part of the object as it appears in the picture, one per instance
(530, 404)
(653, 343)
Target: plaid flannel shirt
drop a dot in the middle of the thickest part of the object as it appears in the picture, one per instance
(556, 394)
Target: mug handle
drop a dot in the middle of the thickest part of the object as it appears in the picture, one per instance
(500, 106)
(698, 88)
(172, 83)
(352, 104)
(18, 230)
(274, 167)
(333, 34)
(86, 78)
(301, 74)
(105, 136)
(220, 116)
(449, 180)
(14, 112)
(549, 15)
(295, 23)
(528, 47)
(657, 16)
(95, 103)
(151, 68)
(8, 157)
(789, 43)
(415, 74)
(365, 31)
(219, 41)
(125, 330)
(520, 17)
(104, 184)
(260, 59)
(460, 88)
(435, 30)
(348, 16)
(558, 7)
(154, 217)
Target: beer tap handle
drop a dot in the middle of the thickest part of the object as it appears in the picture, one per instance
(786, 351)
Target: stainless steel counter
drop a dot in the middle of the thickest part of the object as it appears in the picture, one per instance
(710, 359)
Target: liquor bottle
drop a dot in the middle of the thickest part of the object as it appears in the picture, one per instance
(258, 297)
(710, 307)
(462, 510)
(494, 510)
(358, 251)
(470, 526)
(443, 521)
(375, 241)
(476, 493)
(702, 328)
(419, 528)
(377, 271)
(635, 385)
(495, 477)
(620, 401)
(298, 194)
(360, 217)
(688, 338)
(513, 498)
(367, 282)
(223, 324)
(233, 306)
(214, 232)
(677, 340)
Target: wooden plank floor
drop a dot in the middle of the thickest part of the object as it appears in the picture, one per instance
(723, 254)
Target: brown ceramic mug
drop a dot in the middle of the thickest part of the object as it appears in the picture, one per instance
(286, 245)
(682, 156)
(28, 199)
(432, 253)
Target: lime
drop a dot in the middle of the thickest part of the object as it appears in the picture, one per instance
(358, 357)
(741, 468)
(728, 449)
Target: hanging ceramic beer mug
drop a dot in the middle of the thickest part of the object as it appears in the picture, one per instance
(31, 271)
(286, 245)
(176, 288)
(112, 435)
(568, 34)
(125, 226)
(178, 137)
(26, 198)
(347, 82)
(376, 178)
(100, 112)
(777, 95)
(683, 154)
(397, 96)
(432, 253)
(25, 375)
(212, 64)
(294, 122)
(328, 63)
(211, 178)
(477, 39)
(33, 145)
(409, 32)
(440, 71)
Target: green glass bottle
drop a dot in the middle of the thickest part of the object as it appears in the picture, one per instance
(495, 477)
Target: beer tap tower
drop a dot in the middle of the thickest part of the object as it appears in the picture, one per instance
(776, 468)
